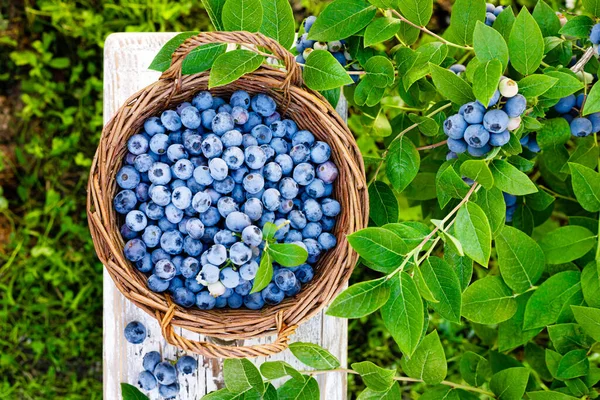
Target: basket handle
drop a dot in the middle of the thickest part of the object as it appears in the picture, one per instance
(294, 73)
(212, 350)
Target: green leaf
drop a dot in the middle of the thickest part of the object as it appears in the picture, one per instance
(451, 86)
(520, 259)
(360, 299)
(431, 53)
(510, 332)
(162, 61)
(510, 180)
(586, 153)
(567, 337)
(463, 265)
(383, 204)
(278, 21)
(592, 101)
(417, 11)
(313, 355)
(428, 363)
(241, 375)
(288, 254)
(379, 71)
(550, 395)
(493, 205)
(279, 369)
(269, 230)
(552, 360)
(485, 82)
(332, 96)
(214, 8)
(232, 65)
(264, 273)
(449, 184)
(573, 364)
(422, 286)
(547, 302)
(403, 162)
(411, 232)
(403, 313)
(546, 19)
(340, 19)
(536, 84)
(526, 44)
(202, 58)
(367, 94)
(489, 45)
(590, 283)
(510, 383)
(378, 246)
(488, 301)
(393, 393)
(474, 232)
(296, 389)
(567, 244)
(422, 187)
(381, 29)
(464, 16)
(427, 126)
(504, 22)
(555, 132)
(479, 171)
(578, 27)
(593, 6)
(323, 72)
(445, 286)
(474, 369)
(225, 394)
(586, 185)
(242, 15)
(376, 378)
(589, 319)
(566, 85)
(130, 392)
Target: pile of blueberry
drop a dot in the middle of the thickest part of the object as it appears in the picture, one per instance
(477, 128)
(304, 46)
(198, 184)
(491, 12)
(157, 372)
(570, 109)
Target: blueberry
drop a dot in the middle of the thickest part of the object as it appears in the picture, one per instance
(235, 301)
(160, 254)
(264, 105)
(165, 373)
(331, 207)
(457, 145)
(232, 138)
(147, 381)
(499, 139)
(143, 162)
(327, 172)
(222, 122)
(153, 126)
(136, 220)
(262, 133)
(515, 106)
(565, 104)
(248, 271)
(187, 365)
(284, 279)
(201, 201)
(454, 126)
(193, 144)
(216, 254)
(327, 241)
(581, 127)
(169, 391)
(192, 247)
(255, 157)
(308, 23)
(160, 195)
(210, 218)
(134, 250)
(128, 177)
(314, 249)
(595, 34)
(151, 360)
(207, 118)
(165, 225)
(159, 173)
(473, 113)
(253, 208)
(171, 242)
(304, 173)
(300, 153)
(254, 301)
(312, 230)
(273, 172)
(327, 223)
(253, 183)
(226, 205)
(316, 189)
(240, 98)
(135, 332)
(312, 210)
(203, 101)
(239, 254)
(479, 151)
(595, 120)
(127, 233)
(237, 221)
(303, 137)
(205, 301)
(125, 201)
(212, 146)
(253, 120)
(297, 219)
(183, 169)
(176, 152)
(457, 68)
(477, 136)
(190, 118)
(271, 199)
(509, 199)
(272, 295)
(249, 140)
(193, 285)
(225, 237)
(170, 120)
(159, 143)
(494, 121)
(490, 18)
(498, 10)
(164, 269)
(278, 128)
(252, 235)
(209, 273)
(269, 152)
(182, 197)
(137, 144)
(230, 278)
(202, 175)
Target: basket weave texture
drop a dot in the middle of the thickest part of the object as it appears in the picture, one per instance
(310, 111)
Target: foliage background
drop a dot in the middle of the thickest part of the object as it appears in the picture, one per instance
(50, 121)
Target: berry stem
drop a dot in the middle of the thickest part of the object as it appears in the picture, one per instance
(427, 31)
(587, 56)
(432, 146)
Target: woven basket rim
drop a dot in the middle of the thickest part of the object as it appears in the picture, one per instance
(333, 270)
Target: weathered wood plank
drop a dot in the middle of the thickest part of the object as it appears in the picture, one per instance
(126, 60)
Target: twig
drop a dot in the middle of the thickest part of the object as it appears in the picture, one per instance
(587, 56)
(432, 146)
(560, 196)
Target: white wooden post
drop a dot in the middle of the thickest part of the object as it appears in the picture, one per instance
(126, 60)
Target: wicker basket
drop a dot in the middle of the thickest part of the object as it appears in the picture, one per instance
(310, 111)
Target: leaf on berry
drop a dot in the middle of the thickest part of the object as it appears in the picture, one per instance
(416, 11)
(380, 71)
(589, 319)
(288, 254)
(383, 204)
(474, 233)
(378, 246)
(381, 29)
(162, 61)
(546, 18)
(489, 45)
(464, 17)
(428, 362)
(403, 163)
(241, 375)
(526, 44)
(566, 244)
(242, 15)
(232, 65)
(202, 58)
(278, 21)
(214, 8)
(578, 27)
(443, 282)
(586, 185)
(593, 6)
(536, 84)
(488, 301)
(264, 273)
(510, 383)
(305, 389)
(313, 355)
(361, 299)
(340, 19)
(130, 392)
(376, 378)
(323, 72)
(566, 85)
(510, 180)
(485, 81)
(451, 86)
